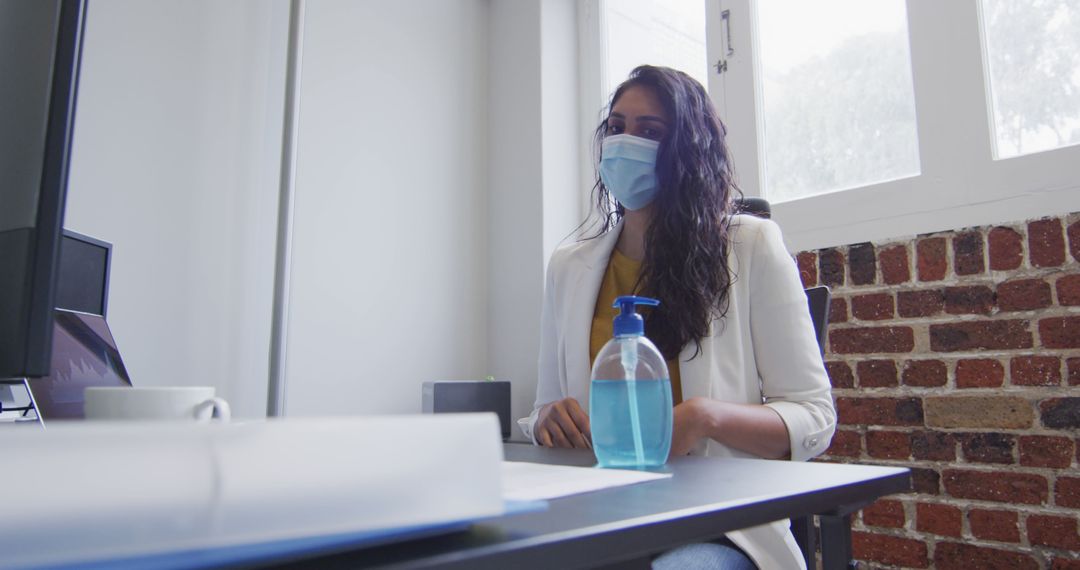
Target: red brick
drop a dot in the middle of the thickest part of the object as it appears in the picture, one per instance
(879, 411)
(1035, 371)
(894, 265)
(862, 265)
(845, 443)
(1046, 451)
(1046, 242)
(866, 340)
(1006, 249)
(889, 550)
(1067, 492)
(838, 310)
(968, 253)
(1073, 365)
(979, 373)
(888, 445)
(925, 481)
(840, 374)
(933, 446)
(1060, 413)
(876, 373)
(974, 335)
(1065, 564)
(1002, 526)
(884, 513)
(873, 307)
(925, 373)
(1055, 532)
(931, 263)
(831, 267)
(911, 304)
(974, 300)
(1068, 290)
(988, 447)
(954, 556)
(1060, 332)
(1074, 240)
(1023, 295)
(1001, 487)
(807, 262)
(938, 519)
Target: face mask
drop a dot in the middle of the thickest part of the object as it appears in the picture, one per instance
(628, 169)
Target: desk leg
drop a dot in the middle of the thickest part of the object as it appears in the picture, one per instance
(836, 542)
(806, 537)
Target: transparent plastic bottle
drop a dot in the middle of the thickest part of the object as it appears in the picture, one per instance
(630, 409)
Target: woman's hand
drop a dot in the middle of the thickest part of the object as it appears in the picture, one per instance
(563, 424)
(686, 428)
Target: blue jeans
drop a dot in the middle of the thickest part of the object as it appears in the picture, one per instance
(720, 555)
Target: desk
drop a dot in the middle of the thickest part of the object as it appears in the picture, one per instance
(627, 525)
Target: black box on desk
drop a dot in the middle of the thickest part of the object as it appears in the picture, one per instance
(470, 396)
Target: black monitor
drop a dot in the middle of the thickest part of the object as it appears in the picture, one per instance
(82, 283)
(40, 53)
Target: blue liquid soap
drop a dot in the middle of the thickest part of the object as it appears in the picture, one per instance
(610, 407)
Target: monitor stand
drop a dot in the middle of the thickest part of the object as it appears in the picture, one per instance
(17, 403)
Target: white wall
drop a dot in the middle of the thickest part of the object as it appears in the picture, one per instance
(534, 175)
(438, 167)
(515, 223)
(389, 277)
(176, 154)
(562, 128)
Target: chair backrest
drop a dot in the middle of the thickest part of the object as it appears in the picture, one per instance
(754, 206)
(818, 299)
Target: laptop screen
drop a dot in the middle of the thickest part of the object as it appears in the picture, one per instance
(84, 354)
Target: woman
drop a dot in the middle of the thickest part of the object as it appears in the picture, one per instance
(747, 375)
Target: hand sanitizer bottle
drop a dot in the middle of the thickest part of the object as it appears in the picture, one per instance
(630, 395)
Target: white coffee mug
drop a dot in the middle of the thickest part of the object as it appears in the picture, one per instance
(155, 403)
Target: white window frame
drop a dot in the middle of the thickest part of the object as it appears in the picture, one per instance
(592, 79)
(960, 183)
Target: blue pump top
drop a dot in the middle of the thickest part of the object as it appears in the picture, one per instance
(628, 322)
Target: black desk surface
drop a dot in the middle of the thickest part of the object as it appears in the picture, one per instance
(705, 498)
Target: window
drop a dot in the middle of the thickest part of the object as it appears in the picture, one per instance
(837, 99)
(961, 113)
(1032, 51)
(657, 32)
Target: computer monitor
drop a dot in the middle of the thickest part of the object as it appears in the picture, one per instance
(40, 53)
(82, 283)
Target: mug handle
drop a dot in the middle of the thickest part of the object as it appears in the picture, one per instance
(214, 407)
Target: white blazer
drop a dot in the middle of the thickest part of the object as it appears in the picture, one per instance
(763, 351)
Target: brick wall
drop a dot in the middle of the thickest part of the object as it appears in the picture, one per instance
(957, 354)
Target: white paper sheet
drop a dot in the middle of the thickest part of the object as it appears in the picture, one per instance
(524, 481)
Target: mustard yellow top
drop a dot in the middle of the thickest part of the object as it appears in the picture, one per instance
(619, 279)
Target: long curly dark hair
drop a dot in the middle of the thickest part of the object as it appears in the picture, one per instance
(687, 242)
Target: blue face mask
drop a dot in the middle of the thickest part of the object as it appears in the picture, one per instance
(628, 169)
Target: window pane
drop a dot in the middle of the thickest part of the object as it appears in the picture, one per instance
(656, 32)
(1033, 57)
(838, 102)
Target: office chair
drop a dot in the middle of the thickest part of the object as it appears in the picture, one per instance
(757, 207)
(818, 300)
